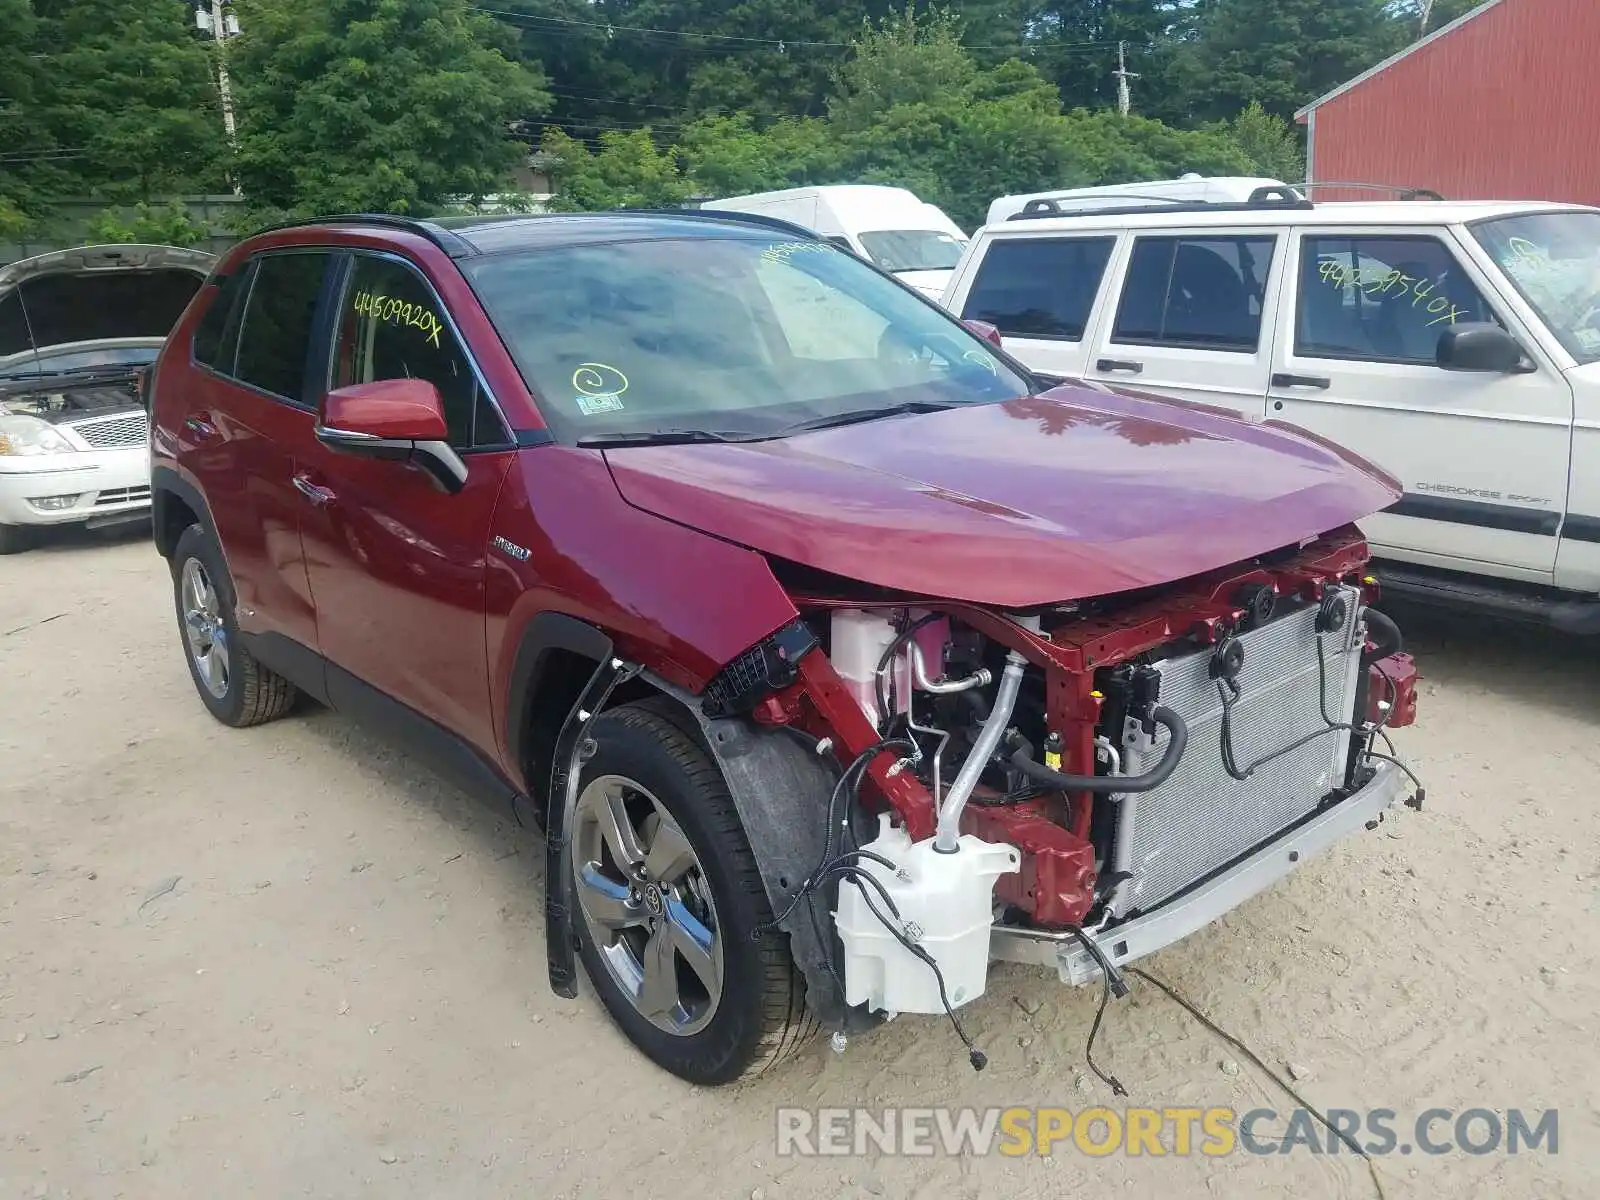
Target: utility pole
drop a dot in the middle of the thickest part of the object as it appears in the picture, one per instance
(222, 25)
(1124, 100)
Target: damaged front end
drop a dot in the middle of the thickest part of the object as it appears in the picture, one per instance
(1073, 786)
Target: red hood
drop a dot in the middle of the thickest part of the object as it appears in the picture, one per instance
(1071, 494)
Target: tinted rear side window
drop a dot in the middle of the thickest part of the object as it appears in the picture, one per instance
(216, 338)
(1039, 287)
(276, 334)
(1199, 292)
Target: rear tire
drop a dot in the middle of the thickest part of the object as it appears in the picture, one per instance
(234, 687)
(670, 900)
(14, 539)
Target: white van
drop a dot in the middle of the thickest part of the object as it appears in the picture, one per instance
(886, 225)
(1191, 189)
(1457, 345)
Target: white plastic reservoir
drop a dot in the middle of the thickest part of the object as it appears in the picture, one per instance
(946, 904)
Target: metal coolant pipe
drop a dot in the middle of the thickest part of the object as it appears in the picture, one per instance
(949, 830)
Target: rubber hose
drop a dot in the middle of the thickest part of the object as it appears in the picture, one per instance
(1387, 636)
(1108, 784)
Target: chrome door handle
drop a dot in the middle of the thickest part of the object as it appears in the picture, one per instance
(201, 427)
(313, 492)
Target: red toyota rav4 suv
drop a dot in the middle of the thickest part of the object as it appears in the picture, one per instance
(835, 654)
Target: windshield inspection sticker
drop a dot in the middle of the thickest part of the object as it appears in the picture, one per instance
(599, 388)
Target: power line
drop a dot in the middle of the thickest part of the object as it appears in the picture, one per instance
(43, 154)
(652, 31)
(569, 95)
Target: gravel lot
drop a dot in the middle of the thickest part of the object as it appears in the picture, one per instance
(291, 962)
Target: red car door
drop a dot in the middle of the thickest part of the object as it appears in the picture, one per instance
(397, 566)
(248, 424)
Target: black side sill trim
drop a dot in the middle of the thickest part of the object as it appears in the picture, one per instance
(1474, 512)
(1581, 528)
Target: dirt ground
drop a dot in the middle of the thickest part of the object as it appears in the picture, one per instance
(290, 962)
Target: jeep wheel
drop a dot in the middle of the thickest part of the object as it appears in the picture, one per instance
(669, 902)
(237, 689)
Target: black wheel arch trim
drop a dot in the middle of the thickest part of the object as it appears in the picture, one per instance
(779, 789)
(165, 482)
(546, 632)
(573, 747)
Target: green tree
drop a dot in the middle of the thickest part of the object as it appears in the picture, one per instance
(1279, 53)
(725, 156)
(1074, 44)
(987, 133)
(387, 105)
(904, 59)
(1429, 16)
(627, 170)
(129, 95)
(26, 146)
(1272, 145)
(162, 225)
(622, 63)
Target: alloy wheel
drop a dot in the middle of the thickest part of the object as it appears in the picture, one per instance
(647, 905)
(203, 629)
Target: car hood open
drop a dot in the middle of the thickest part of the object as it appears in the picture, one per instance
(97, 293)
(1074, 493)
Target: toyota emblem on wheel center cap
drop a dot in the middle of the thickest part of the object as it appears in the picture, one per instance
(653, 901)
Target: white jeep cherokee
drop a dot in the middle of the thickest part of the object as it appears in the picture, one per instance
(1455, 344)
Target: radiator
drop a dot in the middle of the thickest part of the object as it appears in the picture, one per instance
(1202, 818)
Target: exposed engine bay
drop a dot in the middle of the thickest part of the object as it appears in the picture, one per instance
(1067, 771)
(63, 401)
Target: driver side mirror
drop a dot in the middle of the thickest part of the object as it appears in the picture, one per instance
(401, 420)
(1479, 346)
(989, 333)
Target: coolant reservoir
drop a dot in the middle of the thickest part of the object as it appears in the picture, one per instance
(858, 640)
(946, 904)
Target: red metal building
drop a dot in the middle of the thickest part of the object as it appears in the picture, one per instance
(1503, 104)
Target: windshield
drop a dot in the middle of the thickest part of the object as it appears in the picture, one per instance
(1554, 261)
(912, 249)
(743, 334)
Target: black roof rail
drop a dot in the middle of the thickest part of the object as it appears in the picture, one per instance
(1403, 191)
(1196, 206)
(1276, 193)
(720, 214)
(450, 243)
(1050, 206)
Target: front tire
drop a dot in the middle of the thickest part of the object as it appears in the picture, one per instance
(14, 539)
(234, 687)
(670, 900)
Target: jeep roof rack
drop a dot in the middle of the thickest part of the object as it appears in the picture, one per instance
(1272, 196)
(1403, 191)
